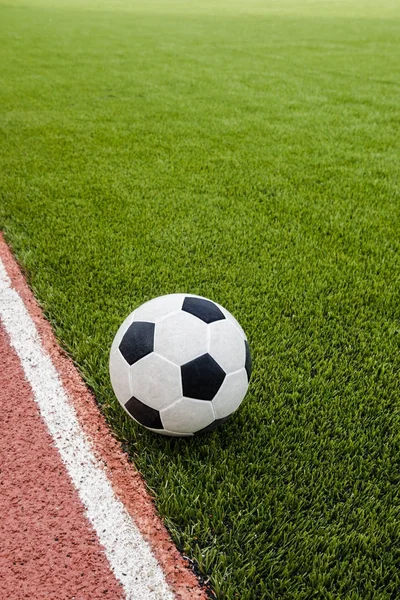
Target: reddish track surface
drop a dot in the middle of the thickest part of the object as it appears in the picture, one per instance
(48, 548)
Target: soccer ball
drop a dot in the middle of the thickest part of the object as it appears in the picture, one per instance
(180, 364)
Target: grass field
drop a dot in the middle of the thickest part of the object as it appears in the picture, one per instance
(247, 152)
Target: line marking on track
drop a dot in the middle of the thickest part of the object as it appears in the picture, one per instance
(127, 552)
(136, 544)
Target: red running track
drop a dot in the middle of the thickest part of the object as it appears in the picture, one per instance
(48, 548)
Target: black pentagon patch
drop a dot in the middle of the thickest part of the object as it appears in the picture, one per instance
(205, 310)
(247, 364)
(143, 414)
(213, 425)
(202, 378)
(137, 342)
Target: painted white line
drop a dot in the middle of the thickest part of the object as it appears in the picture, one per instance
(128, 553)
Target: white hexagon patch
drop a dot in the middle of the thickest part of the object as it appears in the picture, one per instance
(232, 319)
(187, 416)
(160, 307)
(230, 394)
(119, 375)
(226, 345)
(155, 381)
(181, 337)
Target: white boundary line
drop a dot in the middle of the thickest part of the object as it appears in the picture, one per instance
(128, 553)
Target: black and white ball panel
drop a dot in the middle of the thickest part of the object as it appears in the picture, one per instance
(155, 381)
(226, 345)
(180, 364)
(143, 413)
(202, 309)
(187, 414)
(120, 376)
(158, 308)
(138, 341)
(202, 378)
(231, 393)
(248, 364)
(180, 337)
(229, 317)
(120, 333)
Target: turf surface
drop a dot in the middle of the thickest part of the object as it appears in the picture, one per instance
(249, 155)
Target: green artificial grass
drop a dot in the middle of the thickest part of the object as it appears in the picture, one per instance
(247, 152)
